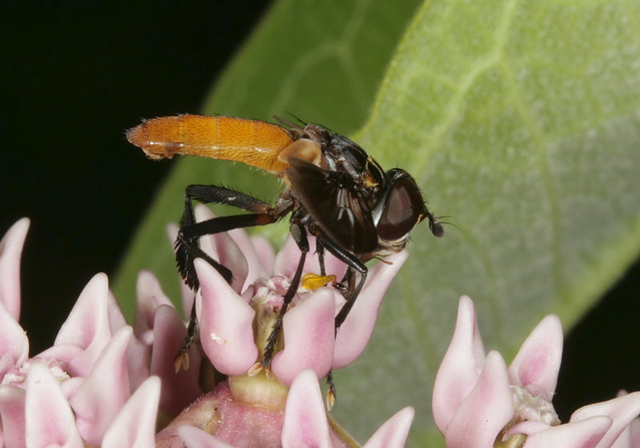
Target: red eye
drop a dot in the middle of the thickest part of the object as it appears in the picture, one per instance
(403, 210)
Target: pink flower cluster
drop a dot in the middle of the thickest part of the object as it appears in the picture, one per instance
(228, 312)
(479, 402)
(106, 383)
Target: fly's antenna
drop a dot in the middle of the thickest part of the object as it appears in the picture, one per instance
(435, 225)
(438, 222)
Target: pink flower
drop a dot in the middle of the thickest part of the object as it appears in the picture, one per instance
(480, 402)
(72, 393)
(235, 321)
(105, 383)
(301, 422)
(229, 313)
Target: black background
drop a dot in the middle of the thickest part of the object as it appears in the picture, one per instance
(75, 76)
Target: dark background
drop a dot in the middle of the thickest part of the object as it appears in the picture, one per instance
(76, 76)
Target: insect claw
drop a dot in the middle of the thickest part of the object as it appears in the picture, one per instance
(255, 369)
(331, 392)
(331, 399)
(269, 374)
(182, 358)
(181, 361)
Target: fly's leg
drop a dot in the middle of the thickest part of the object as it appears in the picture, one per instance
(331, 391)
(320, 253)
(350, 292)
(353, 287)
(187, 243)
(300, 237)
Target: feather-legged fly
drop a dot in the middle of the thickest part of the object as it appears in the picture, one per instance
(333, 190)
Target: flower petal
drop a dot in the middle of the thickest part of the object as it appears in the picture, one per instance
(226, 323)
(178, 388)
(88, 328)
(135, 425)
(10, 253)
(14, 342)
(461, 366)
(255, 267)
(394, 432)
(305, 420)
(622, 410)
(49, 419)
(101, 396)
(309, 337)
(12, 405)
(526, 427)
(149, 297)
(486, 409)
(584, 434)
(138, 356)
(264, 251)
(287, 259)
(630, 437)
(537, 364)
(355, 332)
(197, 438)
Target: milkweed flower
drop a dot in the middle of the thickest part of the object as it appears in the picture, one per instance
(229, 312)
(106, 383)
(235, 320)
(480, 402)
(76, 392)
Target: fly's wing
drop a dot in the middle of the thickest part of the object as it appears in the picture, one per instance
(335, 204)
(256, 143)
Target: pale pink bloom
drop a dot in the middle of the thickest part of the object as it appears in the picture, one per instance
(630, 438)
(253, 408)
(226, 312)
(480, 402)
(104, 383)
(135, 424)
(301, 422)
(72, 393)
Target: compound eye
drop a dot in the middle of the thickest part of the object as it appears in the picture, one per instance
(403, 210)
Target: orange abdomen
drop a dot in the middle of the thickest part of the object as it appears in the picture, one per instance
(256, 143)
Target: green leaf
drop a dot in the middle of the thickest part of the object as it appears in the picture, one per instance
(521, 122)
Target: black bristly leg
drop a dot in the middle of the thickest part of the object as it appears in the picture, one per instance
(331, 392)
(187, 249)
(187, 244)
(320, 253)
(353, 295)
(351, 292)
(213, 194)
(182, 359)
(300, 237)
(355, 266)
